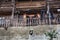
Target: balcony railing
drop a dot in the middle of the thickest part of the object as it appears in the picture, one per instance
(27, 22)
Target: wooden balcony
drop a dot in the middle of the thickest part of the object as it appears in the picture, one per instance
(6, 4)
(30, 4)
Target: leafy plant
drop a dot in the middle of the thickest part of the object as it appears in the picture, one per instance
(52, 34)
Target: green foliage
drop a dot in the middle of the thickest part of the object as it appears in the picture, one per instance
(52, 34)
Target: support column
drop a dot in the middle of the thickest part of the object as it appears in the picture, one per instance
(13, 8)
(49, 14)
(13, 11)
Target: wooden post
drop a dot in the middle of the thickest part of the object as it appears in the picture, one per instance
(13, 8)
(48, 12)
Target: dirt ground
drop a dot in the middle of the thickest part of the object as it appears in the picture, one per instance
(23, 32)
